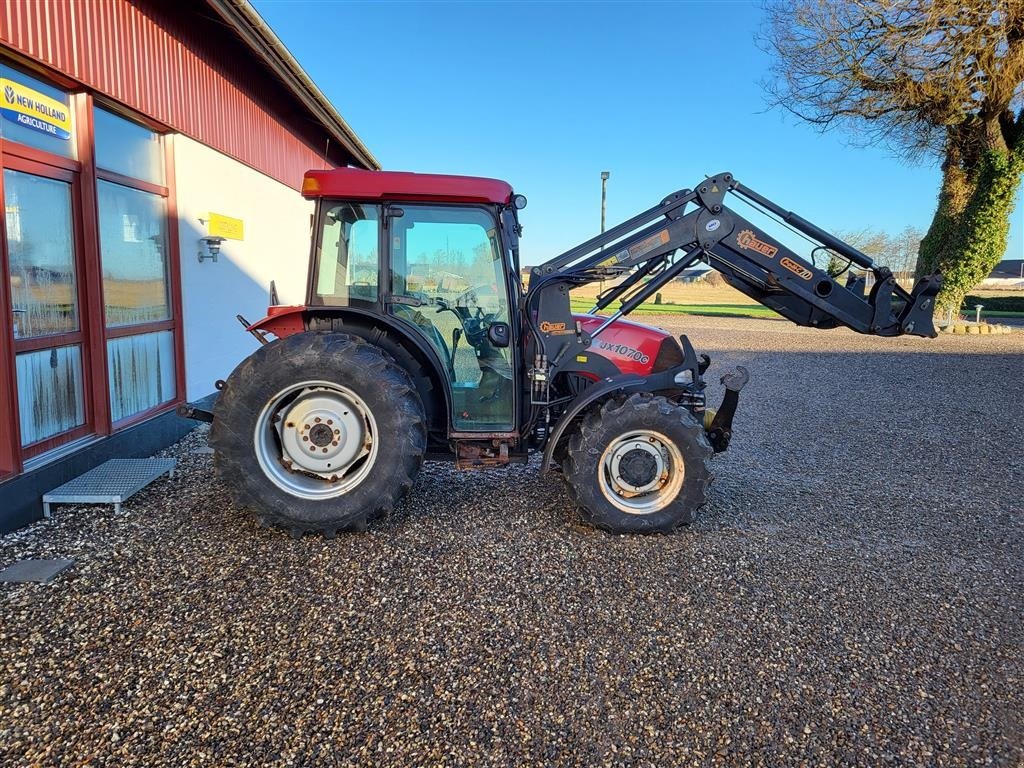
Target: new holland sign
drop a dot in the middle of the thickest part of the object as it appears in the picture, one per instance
(34, 110)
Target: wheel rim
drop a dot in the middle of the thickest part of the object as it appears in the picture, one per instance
(641, 472)
(316, 440)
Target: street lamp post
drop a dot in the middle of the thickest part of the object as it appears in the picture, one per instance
(604, 196)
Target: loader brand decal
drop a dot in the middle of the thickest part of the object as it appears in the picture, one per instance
(32, 109)
(797, 269)
(555, 329)
(747, 240)
(637, 250)
(648, 244)
(712, 225)
(622, 349)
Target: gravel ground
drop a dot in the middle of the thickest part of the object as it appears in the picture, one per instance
(852, 594)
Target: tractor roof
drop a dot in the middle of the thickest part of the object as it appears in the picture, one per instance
(357, 184)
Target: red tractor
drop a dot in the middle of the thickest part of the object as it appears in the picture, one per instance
(418, 341)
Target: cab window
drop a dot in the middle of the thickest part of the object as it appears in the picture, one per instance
(347, 254)
(448, 281)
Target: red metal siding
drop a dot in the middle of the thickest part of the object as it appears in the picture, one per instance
(177, 65)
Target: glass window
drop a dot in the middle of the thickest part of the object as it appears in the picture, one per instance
(347, 255)
(35, 114)
(133, 250)
(50, 397)
(449, 262)
(41, 255)
(127, 148)
(141, 370)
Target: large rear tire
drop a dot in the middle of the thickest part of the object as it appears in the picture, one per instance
(638, 465)
(318, 432)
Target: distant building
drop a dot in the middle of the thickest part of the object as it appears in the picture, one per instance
(694, 275)
(1008, 273)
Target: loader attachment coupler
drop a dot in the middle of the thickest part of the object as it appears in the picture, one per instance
(719, 432)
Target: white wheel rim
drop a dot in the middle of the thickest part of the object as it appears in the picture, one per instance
(316, 440)
(657, 488)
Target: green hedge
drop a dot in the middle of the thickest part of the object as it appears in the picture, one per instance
(996, 303)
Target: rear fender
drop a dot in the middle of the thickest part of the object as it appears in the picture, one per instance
(281, 321)
(411, 352)
(408, 348)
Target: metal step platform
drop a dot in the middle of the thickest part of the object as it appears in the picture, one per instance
(112, 482)
(34, 571)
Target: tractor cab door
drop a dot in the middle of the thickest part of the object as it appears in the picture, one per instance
(448, 282)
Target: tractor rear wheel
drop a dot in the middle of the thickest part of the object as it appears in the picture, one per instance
(638, 465)
(318, 432)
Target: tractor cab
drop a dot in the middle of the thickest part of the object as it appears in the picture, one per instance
(435, 256)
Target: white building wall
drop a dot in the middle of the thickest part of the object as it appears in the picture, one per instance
(276, 247)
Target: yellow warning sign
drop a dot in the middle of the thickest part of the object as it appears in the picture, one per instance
(219, 225)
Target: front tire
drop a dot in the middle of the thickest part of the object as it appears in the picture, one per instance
(638, 465)
(318, 432)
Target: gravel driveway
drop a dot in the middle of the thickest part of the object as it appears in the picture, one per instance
(852, 594)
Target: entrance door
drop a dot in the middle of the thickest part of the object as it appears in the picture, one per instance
(447, 262)
(51, 383)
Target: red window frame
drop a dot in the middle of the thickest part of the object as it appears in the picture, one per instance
(83, 175)
(24, 159)
(173, 272)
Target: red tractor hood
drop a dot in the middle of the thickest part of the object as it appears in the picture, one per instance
(631, 347)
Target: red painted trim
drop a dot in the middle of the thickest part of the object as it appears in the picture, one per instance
(9, 428)
(142, 416)
(354, 183)
(96, 317)
(35, 449)
(174, 270)
(11, 149)
(50, 166)
(37, 167)
(120, 331)
(35, 343)
(128, 181)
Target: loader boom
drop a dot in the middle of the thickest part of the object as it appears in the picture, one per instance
(696, 225)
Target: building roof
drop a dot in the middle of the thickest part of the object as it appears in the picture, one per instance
(1008, 268)
(357, 184)
(261, 39)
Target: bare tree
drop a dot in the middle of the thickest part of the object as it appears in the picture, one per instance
(941, 78)
(898, 252)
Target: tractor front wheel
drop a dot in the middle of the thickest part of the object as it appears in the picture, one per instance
(318, 432)
(638, 465)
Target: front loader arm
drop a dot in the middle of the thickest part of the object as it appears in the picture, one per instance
(696, 225)
(766, 270)
(653, 248)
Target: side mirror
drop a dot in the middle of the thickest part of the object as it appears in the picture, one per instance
(499, 334)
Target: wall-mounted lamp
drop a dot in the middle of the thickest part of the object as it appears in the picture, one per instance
(209, 247)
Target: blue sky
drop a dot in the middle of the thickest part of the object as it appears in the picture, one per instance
(547, 95)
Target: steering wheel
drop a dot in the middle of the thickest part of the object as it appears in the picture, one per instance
(474, 324)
